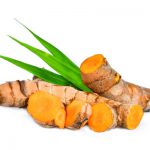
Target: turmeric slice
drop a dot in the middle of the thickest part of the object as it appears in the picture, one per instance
(78, 113)
(60, 118)
(46, 109)
(102, 118)
(134, 117)
(101, 78)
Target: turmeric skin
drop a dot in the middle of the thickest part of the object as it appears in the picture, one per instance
(98, 75)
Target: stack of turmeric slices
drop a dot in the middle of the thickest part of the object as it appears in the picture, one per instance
(93, 94)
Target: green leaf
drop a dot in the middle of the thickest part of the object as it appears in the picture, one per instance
(34, 50)
(31, 48)
(58, 66)
(39, 72)
(52, 49)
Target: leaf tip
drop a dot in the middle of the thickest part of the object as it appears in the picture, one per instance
(9, 36)
(17, 21)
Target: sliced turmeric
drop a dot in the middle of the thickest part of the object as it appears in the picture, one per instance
(60, 118)
(102, 117)
(78, 113)
(134, 115)
(98, 75)
(46, 109)
(106, 115)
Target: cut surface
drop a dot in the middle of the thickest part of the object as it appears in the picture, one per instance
(43, 106)
(73, 111)
(92, 63)
(134, 117)
(60, 118)
(102, 117)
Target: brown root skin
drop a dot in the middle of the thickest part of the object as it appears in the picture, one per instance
(6, 97)
(78, 113)
(46, 109)
(104, 80)
(65, 95)
(16, 93)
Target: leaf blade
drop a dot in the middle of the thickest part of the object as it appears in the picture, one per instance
(52, 49)
(31, 48)
(61, 68)
(39, 72)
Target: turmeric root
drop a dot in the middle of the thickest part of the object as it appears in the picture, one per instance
(107, 114)
(17, 93)
(46, 109)
(78, 111)
(106, 117)
(98, 75)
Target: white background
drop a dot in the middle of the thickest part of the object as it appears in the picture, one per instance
(118, 29)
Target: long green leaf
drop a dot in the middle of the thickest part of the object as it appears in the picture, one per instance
(52, 49)
(62, 69)
(39, 72)
(36, 49)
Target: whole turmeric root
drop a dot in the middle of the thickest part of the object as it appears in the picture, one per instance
(98, 75)
(104, 114)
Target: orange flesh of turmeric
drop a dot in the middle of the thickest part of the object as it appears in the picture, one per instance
(134, 117)
(60, 118)
(43, 107)
(102, 117)
(73, 111)
(91, 64)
